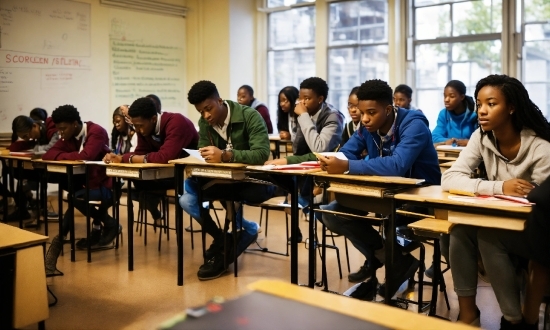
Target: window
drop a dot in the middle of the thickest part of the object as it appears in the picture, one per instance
(281, 3)
(291, 52)
(358, 47)
(453, 40)
(536, 52)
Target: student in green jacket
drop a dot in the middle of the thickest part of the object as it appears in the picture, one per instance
(228, 133)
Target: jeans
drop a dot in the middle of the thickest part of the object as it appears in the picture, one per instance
(99, 213)
(239, 191)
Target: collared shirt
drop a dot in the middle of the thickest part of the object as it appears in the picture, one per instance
(222, 131)
(316, 115)
(156, 136)
(82, 135)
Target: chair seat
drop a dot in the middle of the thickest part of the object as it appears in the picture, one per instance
(171, 192)
(276, 203)
(429, 226)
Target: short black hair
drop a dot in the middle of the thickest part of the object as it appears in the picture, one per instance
(143, 107)
(22, 124)
(248, 89)
(404, 89)
(375, 90)
(66, 114)
(38, 114)
(201, 91)
(316, 84)
(155, 99)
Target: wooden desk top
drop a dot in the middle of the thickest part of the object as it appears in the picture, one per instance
(17, 157)
(449, 149)
(259, 168)
(60, 162)
(434, 194)
(137, 165)
(376, 313)
(195, 162)
(372, 178)
(13, 237)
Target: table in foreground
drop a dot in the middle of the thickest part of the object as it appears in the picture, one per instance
(278, 305)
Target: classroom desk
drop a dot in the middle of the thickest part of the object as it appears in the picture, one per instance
(70, 168)
(376, 194)
(302, 308)
(275, 143)
(493, 214)
(145, 172)
(445, 166)
(21, 162)
(23, 297)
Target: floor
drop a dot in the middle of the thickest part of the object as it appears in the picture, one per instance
(103, 294)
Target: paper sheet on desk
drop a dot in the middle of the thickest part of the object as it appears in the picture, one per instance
(195, 154)
(486, 200)
(339, 155)
(95, 162)
(449, 148)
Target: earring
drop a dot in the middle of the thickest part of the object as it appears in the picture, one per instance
(511, 112)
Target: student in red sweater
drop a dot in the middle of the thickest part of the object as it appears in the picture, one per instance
(161, 137)
(83, 141)
(245, 96)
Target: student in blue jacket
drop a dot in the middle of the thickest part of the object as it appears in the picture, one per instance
(399, 143)
(458, 120)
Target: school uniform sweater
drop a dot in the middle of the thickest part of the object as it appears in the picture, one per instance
(94, 145)
(176, 132)
(450, 125)
(264, 112)
(48, 132)
(348, 131)
(532, 163)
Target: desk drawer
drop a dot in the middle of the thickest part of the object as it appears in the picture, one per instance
(77, 169)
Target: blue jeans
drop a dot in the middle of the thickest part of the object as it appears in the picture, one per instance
(98, 213)
(239, 191)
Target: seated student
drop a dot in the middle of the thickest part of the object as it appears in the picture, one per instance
(286, 119)
(319, 128)
(402, 97)
(354, 114)
(123, 136)
(229, 132)
(39, 114)
(458, 120)
(245, 96)
(155, 99)
(399, 144)
(513, 141)
(161, 137)
(83, 141)
(40, 137)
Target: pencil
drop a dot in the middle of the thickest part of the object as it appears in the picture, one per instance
(461, 192)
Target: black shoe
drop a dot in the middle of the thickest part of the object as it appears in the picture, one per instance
(245, 239)
(109, 235)
(366, 290)
(507, 325)
(300, 237)
(365, 271)
(527, 326)
(212, 269)
(95, 237)
(213, 250)
(404, 268)
(53, 216)
(430, 271)
(19, 214)
(53, 253)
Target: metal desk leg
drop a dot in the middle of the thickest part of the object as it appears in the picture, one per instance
(294, 218)
(178, 176)
(43, 197)
(130, 228)
(70, 200)
(6, 192)
(20, 206)
(435, 280)
(116, 205)
(87, 200)
(389, 231)
(311, 248)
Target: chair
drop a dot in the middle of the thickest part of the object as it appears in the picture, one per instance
(279, 203)
(142, 215)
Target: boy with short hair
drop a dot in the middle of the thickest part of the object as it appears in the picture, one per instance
(399, 143)
(402, 97)
(229, 132)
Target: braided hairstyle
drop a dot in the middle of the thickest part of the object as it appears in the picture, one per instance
(527, 114)
(291, 93)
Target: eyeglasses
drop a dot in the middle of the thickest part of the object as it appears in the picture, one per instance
(352, 106)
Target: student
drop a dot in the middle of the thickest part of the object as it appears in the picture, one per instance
(156, 99)
(245, 96)
(123, 136)
(40, 137)
(83, 141)
(161, 137)
(229, 132)
(354, 114)
(402, 97)
(39, 114)
(513, 142)
(458, 120)
(286, 119)
(399, 144)
(319, 128)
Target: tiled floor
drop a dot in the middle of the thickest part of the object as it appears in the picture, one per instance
(105, 295)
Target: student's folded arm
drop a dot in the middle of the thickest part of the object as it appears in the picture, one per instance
(300, 159)
(204, 140)
(46, 147)
(459, 175)
(414, 137)
(329, 137)
(179, 133)
(258, 142)
(54, 151)
(355, 145)
(541, 162)
(440, 133)
(95, 145)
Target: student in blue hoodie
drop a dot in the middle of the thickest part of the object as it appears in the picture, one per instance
(399, 143)
(458, 120)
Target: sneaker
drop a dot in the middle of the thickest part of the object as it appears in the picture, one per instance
(53, 216)
(245, 239)
(53, 253)
(95, 236)
(365, 271)
(404, 268)
(507, 325)
(528, 326)
(213, 250)
(19, 214)
(366, 290)
(109, 235)
(300, 237)
(212, 269)
(430, 271)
